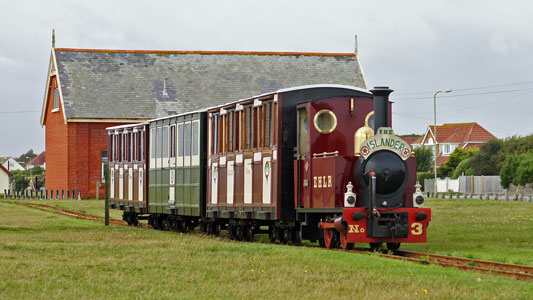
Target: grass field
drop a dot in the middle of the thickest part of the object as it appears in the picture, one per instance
(46, 256)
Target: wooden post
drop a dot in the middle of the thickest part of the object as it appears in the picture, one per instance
(106, 177)
(97, 189)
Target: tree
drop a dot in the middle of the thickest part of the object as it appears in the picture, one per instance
(517, 169)
(525, 169)
(21, 177)
(424, 157)
(460, 154)
(26, 157)
(485, 161)
(463, 168)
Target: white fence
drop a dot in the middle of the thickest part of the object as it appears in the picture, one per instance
(466, 185)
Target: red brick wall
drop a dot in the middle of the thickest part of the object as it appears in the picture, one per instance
(56, 145)
(73, 152)
(86, 142)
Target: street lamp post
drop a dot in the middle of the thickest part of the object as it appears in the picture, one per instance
(435, 136)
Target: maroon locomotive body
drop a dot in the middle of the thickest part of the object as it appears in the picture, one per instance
(281, 163)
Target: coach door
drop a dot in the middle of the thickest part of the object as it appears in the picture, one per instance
(302, 164)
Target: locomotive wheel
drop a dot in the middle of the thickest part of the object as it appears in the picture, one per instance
(393, 246)
(282, 236)
(297, 237)
(216, 229)
(238, 233)
(183, 225)
(321, 242)
(135, 220)
(231, 232)
(375, 246)
(247, 233)
(328, 238)
(344, 241)
(203, 228)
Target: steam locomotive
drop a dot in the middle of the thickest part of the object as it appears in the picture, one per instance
(318, 163)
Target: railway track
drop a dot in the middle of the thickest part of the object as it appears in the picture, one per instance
(71, 213)
(520, 272)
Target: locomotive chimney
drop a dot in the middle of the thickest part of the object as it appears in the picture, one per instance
(381, 106)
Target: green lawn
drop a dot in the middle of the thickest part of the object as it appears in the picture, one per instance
(47, 256)
(482, 229)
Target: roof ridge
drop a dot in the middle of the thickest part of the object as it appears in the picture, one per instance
(162, 52)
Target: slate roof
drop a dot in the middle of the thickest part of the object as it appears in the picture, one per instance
(120, 84)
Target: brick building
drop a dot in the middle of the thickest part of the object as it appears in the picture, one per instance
(88, 90)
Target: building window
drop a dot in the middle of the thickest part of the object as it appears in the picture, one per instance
(446, 149)
(56, 98)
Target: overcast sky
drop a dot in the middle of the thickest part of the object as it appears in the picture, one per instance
(483, 50)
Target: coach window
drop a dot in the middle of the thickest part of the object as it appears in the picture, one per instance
(237, 134)
(302, 131)
(159, 146)
(195, 143)
(172, 141)
(231, 131)
(222, 134)
(267, 119)
(325, 121)
(256, 136)
(130, 146)
(141, 146)
(116, 150)
(187, 144)
(215, 134)
(165, 142)
(248, 127)
(180, 144)
(153, 143)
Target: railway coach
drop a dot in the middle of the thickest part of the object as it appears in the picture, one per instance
(319, 163)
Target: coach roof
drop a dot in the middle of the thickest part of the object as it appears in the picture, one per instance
(125, 84)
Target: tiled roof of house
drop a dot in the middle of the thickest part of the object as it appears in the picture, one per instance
(119, 84)
(4, 159)
(462, 133)
(412, 139)
(38, 160)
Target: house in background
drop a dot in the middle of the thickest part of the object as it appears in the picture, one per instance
(88, 90)
(4, 178)
(10, 164)
(453, 135)
(38, 161)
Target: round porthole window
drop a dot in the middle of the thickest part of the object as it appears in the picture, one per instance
(325, 121)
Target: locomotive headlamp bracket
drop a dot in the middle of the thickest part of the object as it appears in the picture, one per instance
(418, 197)
(349, 197)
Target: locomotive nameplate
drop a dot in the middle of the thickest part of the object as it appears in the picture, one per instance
(385, 139)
